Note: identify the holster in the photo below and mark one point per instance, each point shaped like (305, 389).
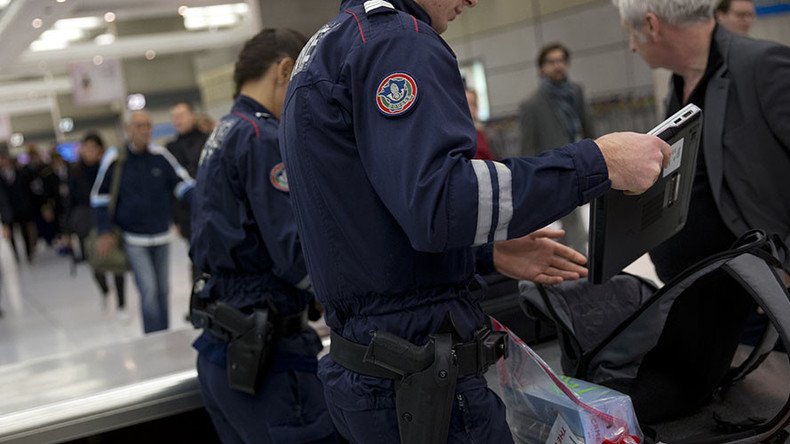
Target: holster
(425, 376)
(250, 336)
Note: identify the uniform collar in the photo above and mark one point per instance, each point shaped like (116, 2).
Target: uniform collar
(407, 6)
(248, 105)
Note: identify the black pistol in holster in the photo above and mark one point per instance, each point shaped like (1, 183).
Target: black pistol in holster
(249, 336)
(425, 376)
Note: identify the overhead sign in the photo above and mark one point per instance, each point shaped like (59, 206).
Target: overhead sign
(94, 84)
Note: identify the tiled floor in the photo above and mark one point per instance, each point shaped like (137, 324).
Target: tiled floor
(48, 311)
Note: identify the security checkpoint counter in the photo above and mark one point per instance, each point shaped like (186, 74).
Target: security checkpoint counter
(56, 399)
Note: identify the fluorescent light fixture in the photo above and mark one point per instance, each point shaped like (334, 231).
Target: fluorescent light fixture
(78, 23)
(104, 39)
(68, 35)
(47, 45)
(213, 16)
(135, 102)
(66, 124)
(17, 139)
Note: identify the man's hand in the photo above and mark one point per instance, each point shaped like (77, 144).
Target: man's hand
(786, 278)
(6, 232)
(104, 244)
(635, 161)
(539, 258)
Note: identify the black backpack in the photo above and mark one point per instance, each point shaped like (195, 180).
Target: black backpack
(672, 350)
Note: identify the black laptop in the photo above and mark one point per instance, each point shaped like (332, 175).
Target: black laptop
(622, 227)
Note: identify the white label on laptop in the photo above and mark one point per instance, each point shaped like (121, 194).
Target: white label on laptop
(561, 434)
(677, 156)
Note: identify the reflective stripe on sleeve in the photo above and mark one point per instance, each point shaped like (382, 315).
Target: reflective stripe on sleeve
(485, 202)
(505, 179)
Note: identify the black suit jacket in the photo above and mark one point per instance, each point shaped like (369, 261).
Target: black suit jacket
(747, 135)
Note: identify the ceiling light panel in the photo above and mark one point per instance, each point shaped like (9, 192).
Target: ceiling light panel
(217, 16)
(79, 23)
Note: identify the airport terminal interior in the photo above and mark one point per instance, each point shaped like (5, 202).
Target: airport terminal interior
(76, 363)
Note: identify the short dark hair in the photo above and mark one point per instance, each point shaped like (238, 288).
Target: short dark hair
(189, 105)
(93, 137)
(544, 52)
(262, 51)
(724, 6)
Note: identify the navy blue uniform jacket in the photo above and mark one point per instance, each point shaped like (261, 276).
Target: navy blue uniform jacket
(378, 141)
(243, 230)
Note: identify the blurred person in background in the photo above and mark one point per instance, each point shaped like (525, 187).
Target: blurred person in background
(143, 212)
(736, 15)
(59, 202)
(80, 218)
(556, 115)
(45, 187)
(16, 185)
(245, 236)
(483, 149)
(186, 150)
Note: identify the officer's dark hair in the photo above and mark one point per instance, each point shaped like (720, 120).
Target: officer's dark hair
(724, 6)
(262, 51)
(93, 137)
(544, 53)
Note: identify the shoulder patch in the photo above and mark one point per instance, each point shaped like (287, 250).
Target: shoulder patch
(279, 178)
(396, 94)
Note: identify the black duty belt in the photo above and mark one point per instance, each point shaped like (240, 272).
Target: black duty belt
(227, 322)
(425, 376)
(250, 336)
(472, 358)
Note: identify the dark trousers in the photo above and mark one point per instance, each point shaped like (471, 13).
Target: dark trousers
(288, 408)
(120, 286)
(29, 237)
(363, 409)
(101, 280)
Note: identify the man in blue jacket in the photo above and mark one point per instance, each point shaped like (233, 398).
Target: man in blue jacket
(149, 176)
(396, 218)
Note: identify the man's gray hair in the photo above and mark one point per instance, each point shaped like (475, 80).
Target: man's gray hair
(675, 12)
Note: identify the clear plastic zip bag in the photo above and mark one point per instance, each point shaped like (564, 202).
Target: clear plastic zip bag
(544, 407)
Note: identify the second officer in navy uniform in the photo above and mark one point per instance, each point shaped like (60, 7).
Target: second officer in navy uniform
(396, 218)
(257, 356)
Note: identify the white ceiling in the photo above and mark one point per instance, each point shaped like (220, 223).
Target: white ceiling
(28, 77)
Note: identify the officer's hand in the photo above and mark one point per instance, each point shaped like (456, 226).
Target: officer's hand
(635, 161)
(6, 232)
(104, 244)
(539, 258)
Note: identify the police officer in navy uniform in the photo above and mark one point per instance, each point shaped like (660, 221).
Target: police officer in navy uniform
(396, 218)
(257, 357)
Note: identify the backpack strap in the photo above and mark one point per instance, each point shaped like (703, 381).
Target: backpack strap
(759, 353)
(767, 289)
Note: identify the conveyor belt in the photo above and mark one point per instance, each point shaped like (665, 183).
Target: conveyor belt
(82, 394)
